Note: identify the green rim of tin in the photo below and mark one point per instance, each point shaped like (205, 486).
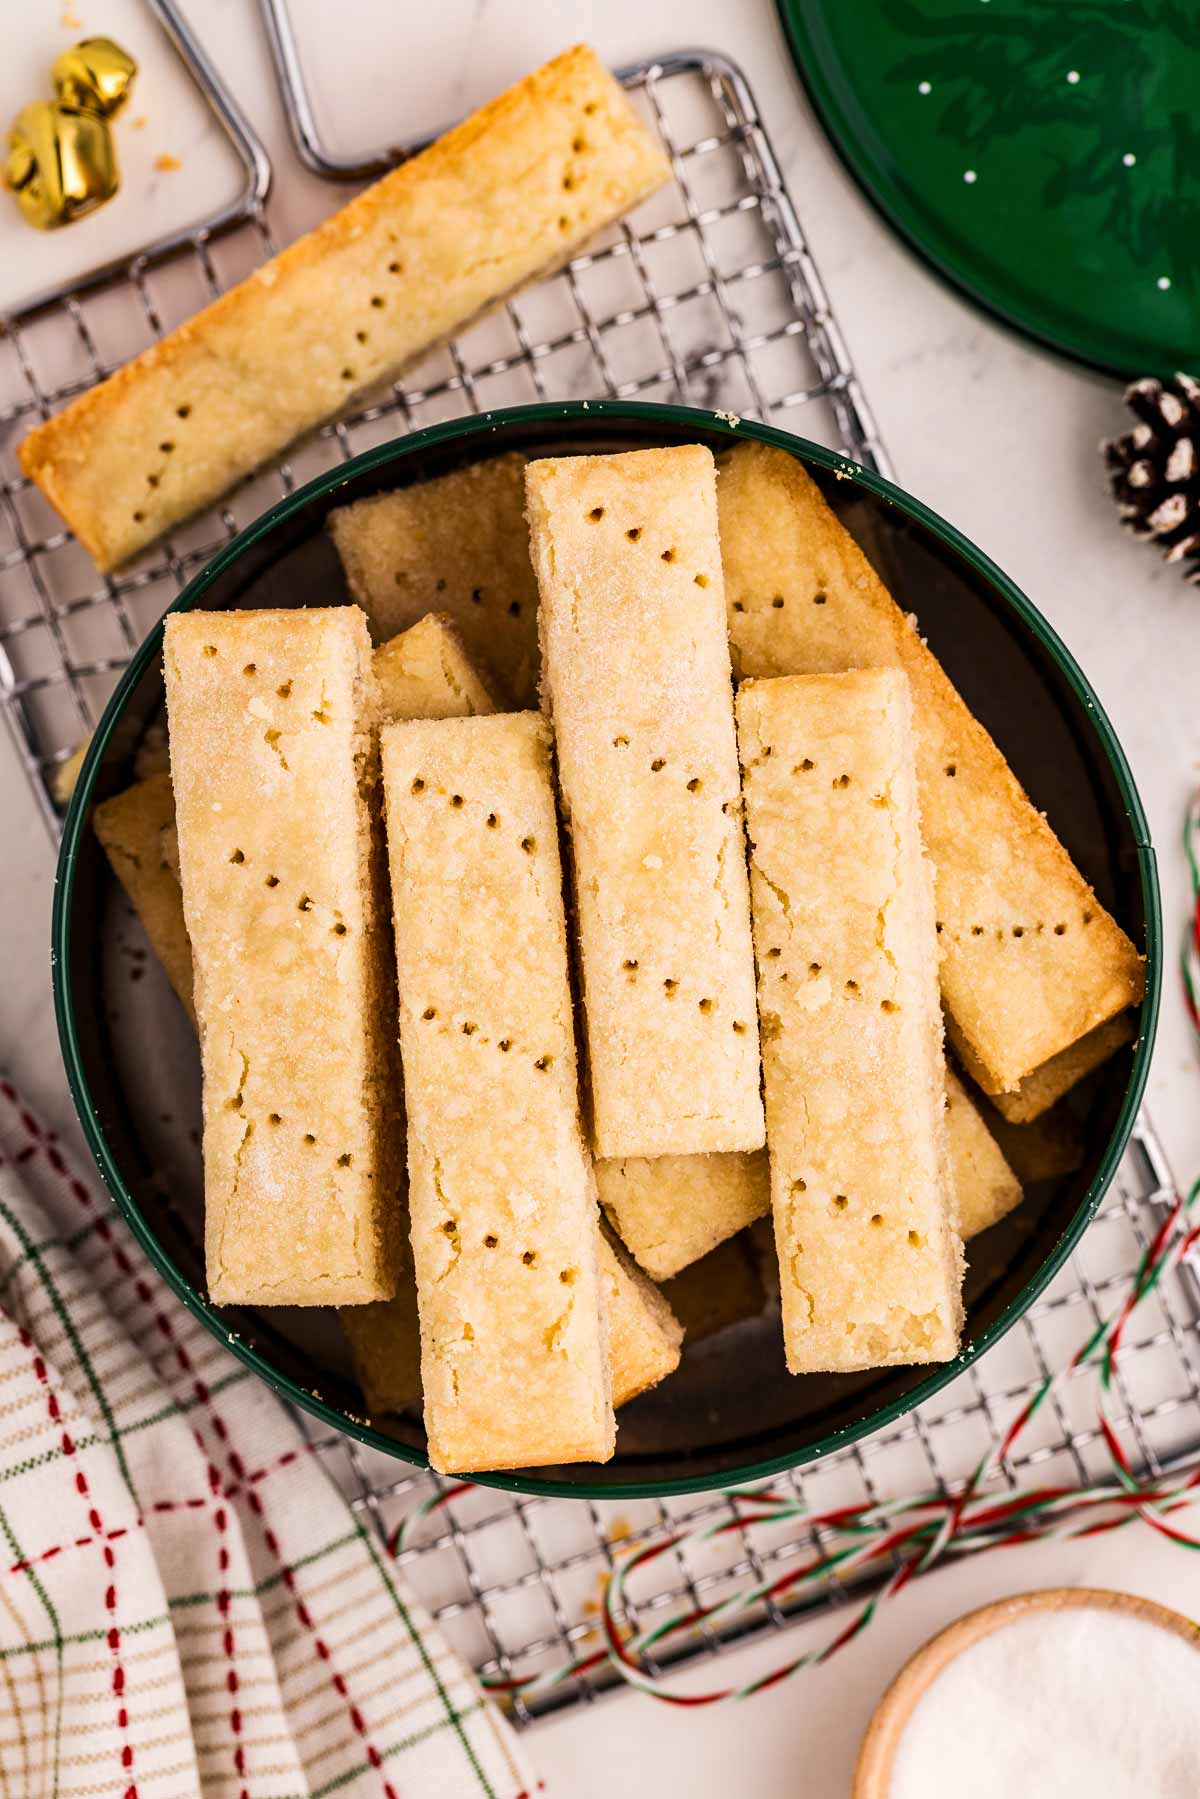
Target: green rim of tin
(481, 428)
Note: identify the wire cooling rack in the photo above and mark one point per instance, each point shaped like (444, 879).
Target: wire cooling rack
(707, 294)
(516, 1582)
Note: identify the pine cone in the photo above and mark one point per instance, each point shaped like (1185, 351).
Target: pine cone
(1155, 468)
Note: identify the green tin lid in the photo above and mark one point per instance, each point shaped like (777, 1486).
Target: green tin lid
(1042, 155)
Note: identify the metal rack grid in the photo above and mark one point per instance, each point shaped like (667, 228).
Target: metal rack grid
(708, 294)
(515, 1582)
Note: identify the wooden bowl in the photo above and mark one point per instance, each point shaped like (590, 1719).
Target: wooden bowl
(873, 1770)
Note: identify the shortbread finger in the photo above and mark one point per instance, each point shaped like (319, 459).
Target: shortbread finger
(63, 778)
(425, 672)
(137, 830)
(457, 545)
(271, 717)
(870, 1262)
(636, 679)
(513, 190)
(1031, 961)
(1045, 1085)
(644, 1335)
(168, 843)
(385, 1345)
(671, 1210)
(505, 1223)
(985, 1187)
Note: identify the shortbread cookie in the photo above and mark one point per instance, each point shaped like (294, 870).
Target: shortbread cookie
(272, 716)
(870, 1262)
(1045, 1085)
(137, 829)
(636, 679)
(505, 1223)
(644, 1335)
(425, 672)
(457, 545)
(985, 1187)
(63, 778)
(385, 1344)
(1031, 962)
(512, 191)
(671, 1210)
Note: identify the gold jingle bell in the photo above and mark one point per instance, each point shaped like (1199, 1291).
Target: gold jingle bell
(60, 162)
(95, 73)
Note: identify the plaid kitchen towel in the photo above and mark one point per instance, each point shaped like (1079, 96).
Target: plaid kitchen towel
(188, 1604)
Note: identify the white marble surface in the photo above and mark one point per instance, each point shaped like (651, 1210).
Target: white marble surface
(994, 434)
